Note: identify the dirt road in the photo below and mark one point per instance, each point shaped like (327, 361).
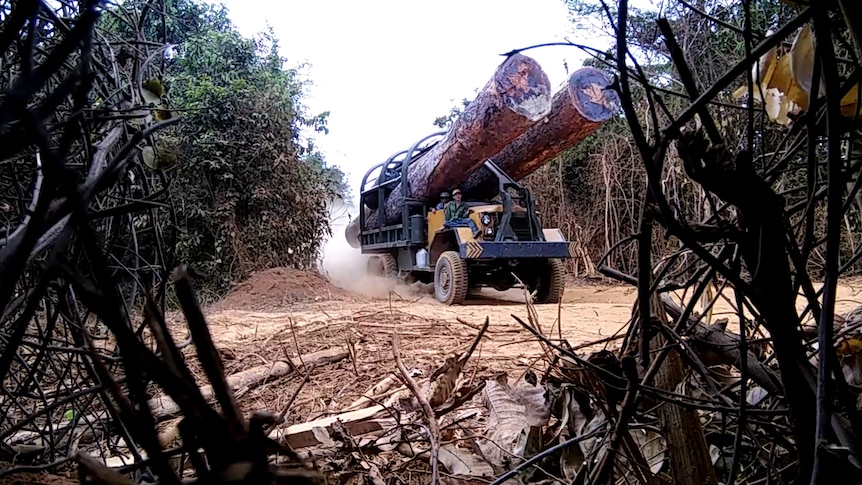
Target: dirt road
(284, 312)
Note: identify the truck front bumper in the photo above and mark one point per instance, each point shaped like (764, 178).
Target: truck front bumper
(517, 250)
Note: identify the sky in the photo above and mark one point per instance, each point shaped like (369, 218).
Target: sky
(385, 69)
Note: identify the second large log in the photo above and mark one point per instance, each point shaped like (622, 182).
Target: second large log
(584, 104)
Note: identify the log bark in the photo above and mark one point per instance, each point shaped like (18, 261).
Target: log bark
(690, 462)
(518, 95)
(583, 105)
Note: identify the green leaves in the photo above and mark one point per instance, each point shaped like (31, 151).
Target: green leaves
(248, 194)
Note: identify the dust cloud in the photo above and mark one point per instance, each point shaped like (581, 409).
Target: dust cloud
(344, 266)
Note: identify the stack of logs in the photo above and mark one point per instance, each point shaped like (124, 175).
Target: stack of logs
(516, 122)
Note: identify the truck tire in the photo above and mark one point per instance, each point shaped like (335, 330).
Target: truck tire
(450, 278)
(551, 282)
(382, 265)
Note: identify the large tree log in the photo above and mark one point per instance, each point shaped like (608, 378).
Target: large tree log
(518, 95)
(577, 110)
(583, 105)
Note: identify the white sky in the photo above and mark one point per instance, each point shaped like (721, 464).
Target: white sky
(386, 69)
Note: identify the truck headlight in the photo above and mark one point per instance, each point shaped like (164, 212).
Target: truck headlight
(486, 219)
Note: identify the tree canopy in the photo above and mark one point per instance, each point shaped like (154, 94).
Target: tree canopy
(250, 190)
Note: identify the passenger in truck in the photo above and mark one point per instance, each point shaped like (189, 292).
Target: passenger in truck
(444, 199)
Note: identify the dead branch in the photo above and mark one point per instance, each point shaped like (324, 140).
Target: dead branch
(433, 429)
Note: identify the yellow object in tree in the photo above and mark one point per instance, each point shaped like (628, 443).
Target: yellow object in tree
(784, 83)
(152, 93)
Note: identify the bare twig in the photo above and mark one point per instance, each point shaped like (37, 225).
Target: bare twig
(433, 427)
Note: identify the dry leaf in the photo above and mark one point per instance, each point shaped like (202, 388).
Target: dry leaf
(850, 354)
(151, 99)
(653, 447)
(571, 459)
(802, 59)
(463, 462)
(148, 155)
(849, 346)
(533, 399)
(508, 426)
(850, 102)
(588, 445)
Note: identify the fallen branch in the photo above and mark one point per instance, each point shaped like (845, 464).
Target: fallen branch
(164, 406)
(433, 429)
(317, 432)
(375, 393)
(723, 347)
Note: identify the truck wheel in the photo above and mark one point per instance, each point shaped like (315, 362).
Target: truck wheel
(551, 282)
(450, 278)
(382, 265)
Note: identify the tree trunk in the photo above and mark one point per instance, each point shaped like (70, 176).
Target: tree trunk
(687, 450)
(577, 110)
(518, 95)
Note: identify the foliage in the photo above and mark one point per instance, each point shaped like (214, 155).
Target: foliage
(445, 122)
(250, 193)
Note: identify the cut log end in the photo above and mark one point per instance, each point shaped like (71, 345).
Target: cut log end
(591, 94)
(351, 233)
(524, 87)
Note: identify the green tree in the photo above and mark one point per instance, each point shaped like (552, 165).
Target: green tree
(249, 190)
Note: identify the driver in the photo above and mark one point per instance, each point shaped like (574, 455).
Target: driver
(457, 214)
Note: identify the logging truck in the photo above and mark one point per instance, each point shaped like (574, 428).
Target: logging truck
(513, 249)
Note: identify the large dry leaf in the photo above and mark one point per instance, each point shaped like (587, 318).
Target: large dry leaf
(151, 99)
(508, 426)
(588, 445)
(148, 155)
(802, 59)
(533, 399)
(755, 395)
(653, 447)
(463, 462)
(571, 460)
